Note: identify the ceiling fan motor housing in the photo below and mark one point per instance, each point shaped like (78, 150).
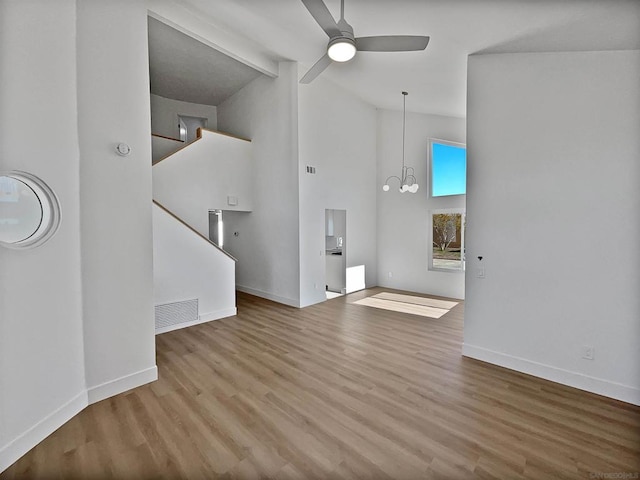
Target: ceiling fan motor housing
(342, 48)
(346, 29)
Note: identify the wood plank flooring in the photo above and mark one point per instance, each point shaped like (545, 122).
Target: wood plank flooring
(337, 391)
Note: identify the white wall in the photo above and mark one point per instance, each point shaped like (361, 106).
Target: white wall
(42, 380)
(77, 312)
(403, 233)
(553, 204)
(162, 147)
(186, 266)
(266, 111)
(202, 175)
(337, 136)
(115, 194)
(165, 111)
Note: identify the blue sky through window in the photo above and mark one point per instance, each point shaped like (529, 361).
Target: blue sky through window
(448, 170)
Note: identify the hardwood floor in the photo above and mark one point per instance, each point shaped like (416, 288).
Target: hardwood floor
(337, 391)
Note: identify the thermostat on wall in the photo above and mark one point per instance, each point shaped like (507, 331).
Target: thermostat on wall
(123, 149)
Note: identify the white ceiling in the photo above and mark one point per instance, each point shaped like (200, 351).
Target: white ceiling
(436, 77)
(183, 68)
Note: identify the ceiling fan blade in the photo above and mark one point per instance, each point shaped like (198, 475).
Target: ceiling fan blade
(320, 12)
(317, 69)
(391, 43)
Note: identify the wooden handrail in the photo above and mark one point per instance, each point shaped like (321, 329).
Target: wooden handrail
(198, 137)
(224, 133)
(167, 138)
(165, 209)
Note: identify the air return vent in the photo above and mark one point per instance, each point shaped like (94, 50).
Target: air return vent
(171, 316)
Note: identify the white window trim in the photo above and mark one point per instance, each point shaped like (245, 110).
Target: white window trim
(430, 169)
(50, 211)
(430, 266)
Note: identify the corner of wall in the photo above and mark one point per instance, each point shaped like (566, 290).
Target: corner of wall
(624, 393)
(19, 446)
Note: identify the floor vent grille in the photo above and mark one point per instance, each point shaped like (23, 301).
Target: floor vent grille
(175, 313)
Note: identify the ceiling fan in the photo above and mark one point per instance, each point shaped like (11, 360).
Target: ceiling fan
(343, 45)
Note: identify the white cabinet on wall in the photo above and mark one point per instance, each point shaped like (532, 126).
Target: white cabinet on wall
(336, 273)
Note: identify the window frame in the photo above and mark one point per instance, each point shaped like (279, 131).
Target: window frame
(430, 169)
(49, 206)
(455, 211)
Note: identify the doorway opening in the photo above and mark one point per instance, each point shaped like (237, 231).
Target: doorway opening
(335, 252)
(188, 127)
(216, 227)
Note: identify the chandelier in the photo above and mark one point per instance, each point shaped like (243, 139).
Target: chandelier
(407, 178)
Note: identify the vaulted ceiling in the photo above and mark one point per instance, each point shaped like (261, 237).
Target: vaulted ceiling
(182, 68)
(436, 77)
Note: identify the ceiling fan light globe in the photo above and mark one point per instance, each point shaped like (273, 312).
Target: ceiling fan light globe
(341, 49)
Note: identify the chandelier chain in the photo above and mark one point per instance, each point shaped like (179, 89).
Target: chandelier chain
(407, 177)
(404, 122)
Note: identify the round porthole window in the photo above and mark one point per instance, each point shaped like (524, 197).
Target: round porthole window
(29, 210)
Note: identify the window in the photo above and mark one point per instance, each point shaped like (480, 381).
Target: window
(448, 168)
(447, 234)
(29, 210)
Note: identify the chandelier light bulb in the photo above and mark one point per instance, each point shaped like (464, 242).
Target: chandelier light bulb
(385, 187)
(342, 50)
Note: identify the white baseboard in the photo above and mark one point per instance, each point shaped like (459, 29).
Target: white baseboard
(122, 384)
(17, 447)
(269, 296)
(205, 317)
(599, 386)
(320, 297)
(218, 314)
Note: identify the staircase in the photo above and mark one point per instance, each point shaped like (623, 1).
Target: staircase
(194, 279)
(162, 147)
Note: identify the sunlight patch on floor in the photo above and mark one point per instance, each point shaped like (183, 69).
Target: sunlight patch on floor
(426, 307)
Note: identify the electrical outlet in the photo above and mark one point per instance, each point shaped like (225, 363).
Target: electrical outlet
(588, 352)
(315, 286)
(390, 274)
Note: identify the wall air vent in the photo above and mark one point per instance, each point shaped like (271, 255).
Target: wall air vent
(172, 316)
